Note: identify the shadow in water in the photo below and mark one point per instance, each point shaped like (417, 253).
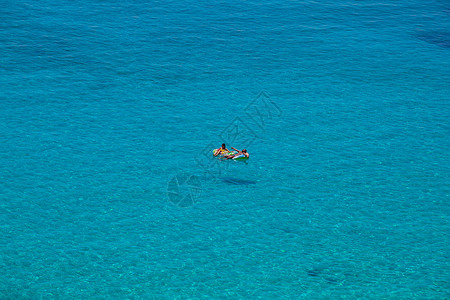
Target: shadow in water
(237, 181)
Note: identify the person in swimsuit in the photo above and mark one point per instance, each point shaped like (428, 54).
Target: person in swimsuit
(239, 153)
(221, 150)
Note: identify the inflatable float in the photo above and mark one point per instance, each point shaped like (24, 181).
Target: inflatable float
(224, 153)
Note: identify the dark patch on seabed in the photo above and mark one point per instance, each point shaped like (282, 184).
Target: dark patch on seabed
(323, 273)
(439, 38)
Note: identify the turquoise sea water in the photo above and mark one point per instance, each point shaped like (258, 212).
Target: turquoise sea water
(109, 112)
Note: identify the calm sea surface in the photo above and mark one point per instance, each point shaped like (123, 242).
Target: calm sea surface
(109, 111)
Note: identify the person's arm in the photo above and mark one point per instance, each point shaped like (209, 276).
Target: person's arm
(217, 152)
(235, 149)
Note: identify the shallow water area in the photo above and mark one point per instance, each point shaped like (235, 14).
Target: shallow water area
(109, 113)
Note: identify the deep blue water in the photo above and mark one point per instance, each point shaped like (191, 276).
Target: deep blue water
(109, 112)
